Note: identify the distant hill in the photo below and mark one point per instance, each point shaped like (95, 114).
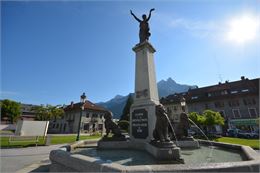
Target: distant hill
(165, 88)
(116, 105)
(169, 86)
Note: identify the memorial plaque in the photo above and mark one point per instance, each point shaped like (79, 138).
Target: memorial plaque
(140, 123)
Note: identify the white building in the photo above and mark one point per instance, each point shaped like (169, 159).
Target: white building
(92, 119)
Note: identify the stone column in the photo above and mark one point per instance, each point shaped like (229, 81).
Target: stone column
(142, 118)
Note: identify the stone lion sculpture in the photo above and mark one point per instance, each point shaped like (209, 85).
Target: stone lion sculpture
(184, 125)
(111, 126)
(160, 132)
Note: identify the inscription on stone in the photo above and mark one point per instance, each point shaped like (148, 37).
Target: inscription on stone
(143, 93)
(140, 123)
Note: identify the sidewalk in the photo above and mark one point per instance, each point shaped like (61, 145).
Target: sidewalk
(67, 134)
(15, 159)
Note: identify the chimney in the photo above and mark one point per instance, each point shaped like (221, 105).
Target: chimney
(242, 77)
(71, 104)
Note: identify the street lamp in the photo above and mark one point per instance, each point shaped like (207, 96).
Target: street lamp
(183, 103)
(82, 101)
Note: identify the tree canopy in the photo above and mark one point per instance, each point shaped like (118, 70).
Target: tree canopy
(126, 110)
(213, 118)
(10, 109)
(197, 118)
(208, 118)
(48, 112)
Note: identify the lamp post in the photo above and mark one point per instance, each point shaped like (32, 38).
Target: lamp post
(82, 101)
(183, 103)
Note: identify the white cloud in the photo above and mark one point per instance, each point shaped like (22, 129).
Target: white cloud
(198, 28)
(209, 29)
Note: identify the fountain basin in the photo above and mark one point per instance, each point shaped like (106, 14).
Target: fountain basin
(76, 159)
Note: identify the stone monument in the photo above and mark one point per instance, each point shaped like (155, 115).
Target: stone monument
(149, 121)
(147, 116)
(142, 118)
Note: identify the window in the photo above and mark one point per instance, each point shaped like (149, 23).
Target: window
(169, 110)
(194, 97)
(252, 112)
(64, 127)
(224, 92)
(236, 113)
(245, 90)
(249, 101)
(175, 108)
(94, 115)
(245, 102)
(176, 118)
(234, 92)
(233, 103)
(86, 126)
(219, 104)
(100, 126)
(71, 116)
(206, 106)
(87, 115)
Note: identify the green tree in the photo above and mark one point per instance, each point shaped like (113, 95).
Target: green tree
(124, 125)
(48, 112)
(197, 118)
(10, 109)
(213, 118)
(126, 111)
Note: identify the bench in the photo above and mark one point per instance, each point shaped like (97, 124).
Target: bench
(14, 139)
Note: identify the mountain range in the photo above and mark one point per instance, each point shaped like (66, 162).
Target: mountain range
(165, 88)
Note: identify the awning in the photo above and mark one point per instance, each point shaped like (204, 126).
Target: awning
(248, 122)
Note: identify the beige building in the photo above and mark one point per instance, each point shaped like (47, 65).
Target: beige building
(237, 102)
(92, 119)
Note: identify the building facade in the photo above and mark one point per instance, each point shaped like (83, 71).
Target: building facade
(237, 102)
(92, 119)
(27, 112)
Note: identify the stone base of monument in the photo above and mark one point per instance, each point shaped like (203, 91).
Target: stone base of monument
(188, 142)
(165, 151)
(113, 144)
(115, 138)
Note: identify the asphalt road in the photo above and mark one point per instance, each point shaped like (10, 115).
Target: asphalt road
(13, 160)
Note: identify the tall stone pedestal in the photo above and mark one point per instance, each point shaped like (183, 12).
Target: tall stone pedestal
(142, 118)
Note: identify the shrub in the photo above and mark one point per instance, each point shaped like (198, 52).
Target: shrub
(124, 125)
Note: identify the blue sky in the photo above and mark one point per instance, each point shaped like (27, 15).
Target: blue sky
(51, 52)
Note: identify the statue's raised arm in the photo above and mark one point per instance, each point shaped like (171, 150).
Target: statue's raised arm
(144, 33)
(150, 14)
(135, 16)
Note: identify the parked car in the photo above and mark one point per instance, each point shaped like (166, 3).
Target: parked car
(232, 132)
(248, 135)
(191, 132)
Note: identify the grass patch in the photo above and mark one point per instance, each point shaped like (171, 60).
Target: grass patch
(6, 132)
(54, 140)
(254, 143)
(4, 143)
(70, 139)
